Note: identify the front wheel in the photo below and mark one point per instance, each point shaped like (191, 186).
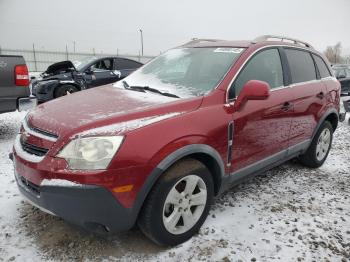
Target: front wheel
(65, 90)
(178, 204)
(320, 147)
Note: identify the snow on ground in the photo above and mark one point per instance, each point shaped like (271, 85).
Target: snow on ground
(290, 213)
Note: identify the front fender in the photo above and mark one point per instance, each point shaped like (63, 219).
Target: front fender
(169, 160)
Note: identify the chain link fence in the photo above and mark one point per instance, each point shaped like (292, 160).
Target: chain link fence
(39, 60)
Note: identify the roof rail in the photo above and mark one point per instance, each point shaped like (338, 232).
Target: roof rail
(200, 40)
(282, 39)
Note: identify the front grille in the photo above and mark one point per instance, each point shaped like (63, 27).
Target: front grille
(33, 150)
(29, 185)
(40, 131)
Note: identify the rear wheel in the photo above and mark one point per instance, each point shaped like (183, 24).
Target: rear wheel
(65, 90)
(178, 204)
(319, 148)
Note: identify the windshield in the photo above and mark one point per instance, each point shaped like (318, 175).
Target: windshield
(80, 64)
(185, 72)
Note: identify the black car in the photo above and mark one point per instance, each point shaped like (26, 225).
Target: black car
(342, 73)
(68, 77)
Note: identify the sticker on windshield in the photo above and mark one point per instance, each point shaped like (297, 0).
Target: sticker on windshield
(228, 50)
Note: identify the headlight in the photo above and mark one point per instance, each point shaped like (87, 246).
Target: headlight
(91, 152)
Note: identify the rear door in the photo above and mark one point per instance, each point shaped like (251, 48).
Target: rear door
(332, 84)
(102, 73)
(261, 128)
(309, 94)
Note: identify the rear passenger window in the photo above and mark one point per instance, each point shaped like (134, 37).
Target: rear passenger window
(102, 65)
(265, 66)
(322, 67)
(301, 65)
(127, 64)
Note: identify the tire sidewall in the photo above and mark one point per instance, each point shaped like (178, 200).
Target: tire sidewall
(162, 234)
(59, 90)
(325, 125)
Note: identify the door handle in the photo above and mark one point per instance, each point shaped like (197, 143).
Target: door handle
(320, 95)
(286, 106)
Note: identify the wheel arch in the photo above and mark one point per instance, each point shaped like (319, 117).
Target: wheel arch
(332, 116)
(64, 84)
(207, 155)
(333, 119)
(201, 152)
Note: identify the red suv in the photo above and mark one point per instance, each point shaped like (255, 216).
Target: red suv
(156, 148)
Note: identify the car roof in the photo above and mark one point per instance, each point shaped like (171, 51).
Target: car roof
(217, 43)
(340, 66)
(265, 40)
(114, 57)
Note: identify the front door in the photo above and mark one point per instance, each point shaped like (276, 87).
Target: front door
(261, 128)
(101, 73)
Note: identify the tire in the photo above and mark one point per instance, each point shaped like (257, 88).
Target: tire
(317, 152)
(64, 89)
(157, 210)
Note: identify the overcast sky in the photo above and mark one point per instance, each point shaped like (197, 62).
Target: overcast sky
(109, 25)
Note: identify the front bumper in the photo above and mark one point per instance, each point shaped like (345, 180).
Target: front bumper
(91, 207)
(44, 91)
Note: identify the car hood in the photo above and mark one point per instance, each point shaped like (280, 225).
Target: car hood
(106, 109)
(59, 67)
(45, 78)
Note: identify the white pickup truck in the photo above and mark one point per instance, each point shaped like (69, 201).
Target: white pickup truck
(14, 84)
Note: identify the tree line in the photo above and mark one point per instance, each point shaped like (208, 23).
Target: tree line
(334, 54)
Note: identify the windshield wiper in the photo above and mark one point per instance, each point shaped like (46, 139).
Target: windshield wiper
(147, 88)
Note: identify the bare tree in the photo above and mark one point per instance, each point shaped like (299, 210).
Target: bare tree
(333, 53)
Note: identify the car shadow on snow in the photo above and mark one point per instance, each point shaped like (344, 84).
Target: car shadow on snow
(57, 239)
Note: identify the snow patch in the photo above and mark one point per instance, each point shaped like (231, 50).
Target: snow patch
(127, 126)
(23, 154)
(60, 182)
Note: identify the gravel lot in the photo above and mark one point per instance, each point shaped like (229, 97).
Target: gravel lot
(290, 213)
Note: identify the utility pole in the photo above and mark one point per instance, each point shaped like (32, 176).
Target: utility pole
(34, 56)
(141, 41)
(67, 51)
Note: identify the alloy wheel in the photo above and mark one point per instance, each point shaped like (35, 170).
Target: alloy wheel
(323, 144)
(184, 204)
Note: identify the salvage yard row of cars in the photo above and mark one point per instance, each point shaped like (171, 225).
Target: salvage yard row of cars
(156, 147)
(68, 77)
(18, 91)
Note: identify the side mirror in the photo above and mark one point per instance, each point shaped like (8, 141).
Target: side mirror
(252, 90)
(117, 73)
(340, 76)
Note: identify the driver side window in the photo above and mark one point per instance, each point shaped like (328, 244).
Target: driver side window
(102, 65)
(264, 66)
